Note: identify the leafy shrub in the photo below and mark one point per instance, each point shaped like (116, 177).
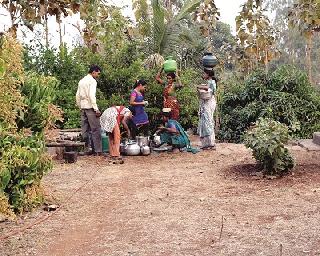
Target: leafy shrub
(11, 101)
(284, 95)
(67, 69)
(39, 94)
(188, 99)
(6, 211)
(267, 140)
(23, 160)
(66, 101)
(23, 164)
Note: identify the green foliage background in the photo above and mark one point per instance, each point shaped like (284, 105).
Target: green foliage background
(119, 73)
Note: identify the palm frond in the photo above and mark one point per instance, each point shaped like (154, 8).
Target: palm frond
(166, 34)
(159, 26)
(188, 7)
(183, 37)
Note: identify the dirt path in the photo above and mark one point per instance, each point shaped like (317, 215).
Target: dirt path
(210, 203)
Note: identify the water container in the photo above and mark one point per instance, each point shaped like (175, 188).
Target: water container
(209, 60)
(170, 65)
(105, 142)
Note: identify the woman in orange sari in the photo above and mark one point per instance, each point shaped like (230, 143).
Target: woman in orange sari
(169, 94)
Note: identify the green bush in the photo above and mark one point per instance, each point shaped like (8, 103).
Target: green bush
(22, 166)
(39, 93)
(188, 99)
(66, 67)
(26, 102)
(284, 95)
(267, 140)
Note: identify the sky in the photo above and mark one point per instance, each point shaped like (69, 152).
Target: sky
(229, 9)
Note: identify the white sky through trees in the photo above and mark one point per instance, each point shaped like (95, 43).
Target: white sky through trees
(229, 9)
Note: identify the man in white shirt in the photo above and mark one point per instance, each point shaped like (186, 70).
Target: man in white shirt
(86, 101)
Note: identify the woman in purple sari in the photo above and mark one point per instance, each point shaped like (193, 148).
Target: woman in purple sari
(140, 121)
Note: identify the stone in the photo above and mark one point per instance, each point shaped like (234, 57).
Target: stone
(316, 138)
(309, 145)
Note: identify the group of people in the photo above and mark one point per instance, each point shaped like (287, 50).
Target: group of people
(134, 118)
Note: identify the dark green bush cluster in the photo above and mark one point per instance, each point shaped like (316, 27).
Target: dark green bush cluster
(285, 95)
(267, 139)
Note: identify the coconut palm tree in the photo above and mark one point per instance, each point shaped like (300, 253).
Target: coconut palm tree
(168, 30)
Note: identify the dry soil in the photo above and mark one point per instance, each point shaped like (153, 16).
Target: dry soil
(210, 203)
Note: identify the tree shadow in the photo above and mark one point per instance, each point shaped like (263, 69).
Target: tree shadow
(246, 170)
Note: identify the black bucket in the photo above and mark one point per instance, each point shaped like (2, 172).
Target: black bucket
(70, 157)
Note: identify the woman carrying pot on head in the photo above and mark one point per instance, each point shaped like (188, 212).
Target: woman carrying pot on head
(140, 121)
(169, 93)
(206, 111)
(110, 121)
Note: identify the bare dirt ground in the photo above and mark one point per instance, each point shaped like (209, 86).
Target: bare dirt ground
(210, 203)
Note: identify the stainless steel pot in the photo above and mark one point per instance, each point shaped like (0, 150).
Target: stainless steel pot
(132, 149)
(142, 140)
(145, 150)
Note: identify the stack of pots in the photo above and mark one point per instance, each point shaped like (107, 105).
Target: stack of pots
(143, 142)
(209, 61)
(135, 148)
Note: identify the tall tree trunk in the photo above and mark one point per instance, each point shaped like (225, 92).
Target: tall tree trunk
(14, 26)
(46, 25)
(60, 35)
(61, 44)
(308, 55)
(46, 32)
(266, 62)
(257, 60)
(209, 46)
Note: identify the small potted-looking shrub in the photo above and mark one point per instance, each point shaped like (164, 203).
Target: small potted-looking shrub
(267, 140)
